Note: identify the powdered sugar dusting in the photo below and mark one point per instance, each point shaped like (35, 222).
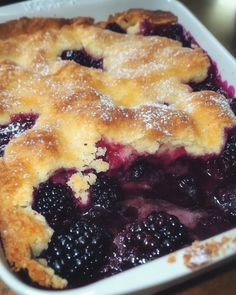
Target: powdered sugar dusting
(159, 118)
(127, 60)
(223, 105)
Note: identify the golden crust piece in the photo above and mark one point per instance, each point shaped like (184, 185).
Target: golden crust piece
(132, 18)
(29, 26)
(141, 91)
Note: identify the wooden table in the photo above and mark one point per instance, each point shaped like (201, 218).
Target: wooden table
(4, 290)
(220, 18)
(221, 281)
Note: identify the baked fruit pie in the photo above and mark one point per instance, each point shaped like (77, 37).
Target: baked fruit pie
(117, 145)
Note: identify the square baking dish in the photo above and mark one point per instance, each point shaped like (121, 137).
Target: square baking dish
(185, 263)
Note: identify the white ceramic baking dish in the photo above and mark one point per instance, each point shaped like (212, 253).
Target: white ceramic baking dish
(168, 270)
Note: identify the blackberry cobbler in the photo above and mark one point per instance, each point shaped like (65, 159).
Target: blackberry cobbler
(117, 145)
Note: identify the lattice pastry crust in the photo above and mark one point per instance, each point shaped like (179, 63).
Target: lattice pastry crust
(140, 98)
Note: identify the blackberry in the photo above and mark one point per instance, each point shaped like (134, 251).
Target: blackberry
(157, 235)
(18, 125)
(181, 190)
(78, 252)
(228, 157)
(105, 192)
(138, 170)
(112, 220)
(115, 28)
(214, 224)
(172, 31)
(188, 188)
(55, 202)
(83, 58)
(225, 200)
(213, 169)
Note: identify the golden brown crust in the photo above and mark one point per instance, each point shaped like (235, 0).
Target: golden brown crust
(29, 26)
(132, 17)
(141, 92)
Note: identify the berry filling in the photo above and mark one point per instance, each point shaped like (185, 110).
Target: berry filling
(18, 124)
(115, 28)
(212, 82)
(158, 234)
(83, 58)
(214, 223)
(105, 193)
(172, 31)
(143, 207)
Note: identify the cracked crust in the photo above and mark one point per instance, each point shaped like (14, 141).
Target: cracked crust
(142, 92)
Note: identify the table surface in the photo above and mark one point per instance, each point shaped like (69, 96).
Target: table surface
(219, 16)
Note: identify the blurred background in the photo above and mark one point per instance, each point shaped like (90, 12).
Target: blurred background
(219, 16)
